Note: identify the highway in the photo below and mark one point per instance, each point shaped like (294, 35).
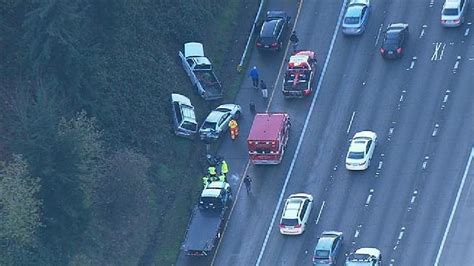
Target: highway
(421, 107)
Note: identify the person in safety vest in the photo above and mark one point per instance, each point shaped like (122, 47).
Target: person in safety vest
(205, 181)
(212, 171)
(234, 129)
(224, 168)
(222, 178)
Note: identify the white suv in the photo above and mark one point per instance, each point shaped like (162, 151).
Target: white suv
(296, 214)
(453, 12)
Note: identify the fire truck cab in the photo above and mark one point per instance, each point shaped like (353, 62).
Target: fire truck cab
(299, 74)
(268, 138)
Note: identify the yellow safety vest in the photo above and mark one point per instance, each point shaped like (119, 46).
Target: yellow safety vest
(222, 178)
(212, 170)
(224, 168)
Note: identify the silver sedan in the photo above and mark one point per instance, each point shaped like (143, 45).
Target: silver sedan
(218, 120)
(356, 17)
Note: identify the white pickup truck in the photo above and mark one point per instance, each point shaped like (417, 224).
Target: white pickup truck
(199, 70)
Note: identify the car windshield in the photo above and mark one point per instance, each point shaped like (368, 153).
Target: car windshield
(289, 222)
(351, 20)
(450, 11)
(321, 254)
(209, 125)
(356, 155)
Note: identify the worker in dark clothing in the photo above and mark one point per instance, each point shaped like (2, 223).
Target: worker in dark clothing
(263, 88)
(248, 183)
(294, 40)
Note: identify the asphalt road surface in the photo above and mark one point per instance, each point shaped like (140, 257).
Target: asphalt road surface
(421, 107)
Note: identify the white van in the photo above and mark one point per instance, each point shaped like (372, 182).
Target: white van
(453, 12)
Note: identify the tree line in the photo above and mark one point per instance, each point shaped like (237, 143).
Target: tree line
(84, 125)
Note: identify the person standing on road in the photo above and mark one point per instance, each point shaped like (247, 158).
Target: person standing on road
(264, 89)
(205, 181)
(294, 40)
(234, 129)
(255, 77)
(224, 168)
(248, 183)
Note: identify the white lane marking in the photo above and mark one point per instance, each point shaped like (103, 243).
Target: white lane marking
(439, 47)
(422, 33)
(466, 32)
(431, 3)
(445, 98)
(400, 235)
(378, 35)
(401, 98)
(380, 165)
(357, 232)
(435, 130)
(453, 211)
(369, 198)
(456, 65)
(350, 122)
(305, 126)
(320, 212)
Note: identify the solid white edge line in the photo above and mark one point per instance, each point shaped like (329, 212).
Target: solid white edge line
(320, 211)
(300, 141)
(350, 122)
(453, 211)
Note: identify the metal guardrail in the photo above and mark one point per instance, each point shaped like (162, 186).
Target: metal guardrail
(241, 63)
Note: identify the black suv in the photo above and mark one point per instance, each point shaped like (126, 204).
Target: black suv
(273, 31)
(394, 40)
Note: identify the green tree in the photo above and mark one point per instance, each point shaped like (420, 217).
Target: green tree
(20, 212)
(122, 208)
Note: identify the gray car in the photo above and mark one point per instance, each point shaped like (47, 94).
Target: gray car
(356, 17)
(327, 248)
(218, 120)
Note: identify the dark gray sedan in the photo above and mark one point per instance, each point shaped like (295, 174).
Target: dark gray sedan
(356, 17)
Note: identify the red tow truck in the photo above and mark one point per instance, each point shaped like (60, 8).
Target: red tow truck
(268, 137)
(299, 74)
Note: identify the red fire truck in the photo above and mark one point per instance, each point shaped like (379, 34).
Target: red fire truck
(299, 74)
(268, 137)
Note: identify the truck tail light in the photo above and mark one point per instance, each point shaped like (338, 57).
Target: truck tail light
(259, 44)
(275, 44)
(307, 91)
(382, 50)
(399, 50)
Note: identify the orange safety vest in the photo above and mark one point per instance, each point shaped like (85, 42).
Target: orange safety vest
(233, 124)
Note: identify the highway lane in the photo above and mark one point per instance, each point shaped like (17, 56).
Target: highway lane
(458, 248)
(400, 103)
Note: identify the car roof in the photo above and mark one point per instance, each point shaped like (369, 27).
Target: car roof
(358, 147)
(354, 10)
(266, 126)
(292, 207)
(214, 116)
(268, 28)
(325, 242)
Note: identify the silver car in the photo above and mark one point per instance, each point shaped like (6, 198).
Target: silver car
(356, 17)
(218, 120)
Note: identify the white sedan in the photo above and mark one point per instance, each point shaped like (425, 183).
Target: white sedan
(361, 150)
